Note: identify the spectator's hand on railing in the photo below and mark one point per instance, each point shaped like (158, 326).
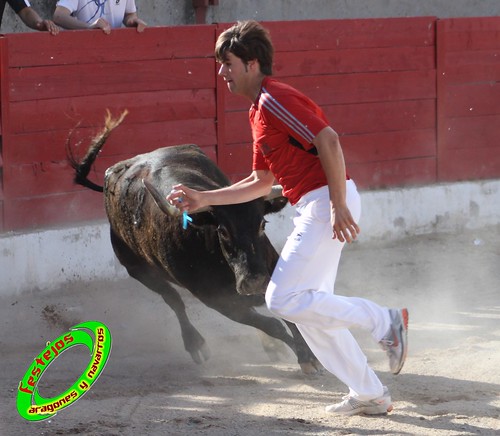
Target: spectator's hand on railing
(48, 26)
(136, 22)
(101, 23)
(141, 25)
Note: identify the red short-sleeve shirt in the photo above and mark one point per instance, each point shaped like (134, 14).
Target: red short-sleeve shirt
(284, 123)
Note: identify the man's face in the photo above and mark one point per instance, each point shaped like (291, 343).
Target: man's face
(236, 74)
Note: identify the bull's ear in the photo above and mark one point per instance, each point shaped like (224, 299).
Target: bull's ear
(275, 205)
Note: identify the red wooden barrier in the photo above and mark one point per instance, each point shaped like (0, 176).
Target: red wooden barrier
(375, 79)
(469, 98)
(164, 77)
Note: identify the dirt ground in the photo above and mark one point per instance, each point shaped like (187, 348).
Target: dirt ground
(450, 384)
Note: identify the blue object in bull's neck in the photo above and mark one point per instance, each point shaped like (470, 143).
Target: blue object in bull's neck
(185, 220)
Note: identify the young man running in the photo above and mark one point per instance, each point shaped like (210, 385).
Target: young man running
(294, 143)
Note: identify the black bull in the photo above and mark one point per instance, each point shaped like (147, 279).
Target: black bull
(223, 257)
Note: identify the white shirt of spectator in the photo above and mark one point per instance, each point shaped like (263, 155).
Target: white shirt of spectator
(89, 11)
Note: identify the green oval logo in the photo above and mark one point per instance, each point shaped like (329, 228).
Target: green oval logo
(92, 334)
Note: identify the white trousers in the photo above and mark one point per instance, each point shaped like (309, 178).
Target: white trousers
(301, 290)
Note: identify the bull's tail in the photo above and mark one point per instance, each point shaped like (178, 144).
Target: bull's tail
(83, 167)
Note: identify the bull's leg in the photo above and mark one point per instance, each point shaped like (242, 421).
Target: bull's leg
(237, 308)
(306, 358)
(194, 343)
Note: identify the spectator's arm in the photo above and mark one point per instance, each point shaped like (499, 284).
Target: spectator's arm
(63, 17)
(31, 18)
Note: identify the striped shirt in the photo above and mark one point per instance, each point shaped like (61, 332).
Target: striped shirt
(284, 123)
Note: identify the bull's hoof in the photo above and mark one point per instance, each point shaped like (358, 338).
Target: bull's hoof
(201, 355)
(312, 368)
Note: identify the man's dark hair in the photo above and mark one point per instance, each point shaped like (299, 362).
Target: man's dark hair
(247, 40)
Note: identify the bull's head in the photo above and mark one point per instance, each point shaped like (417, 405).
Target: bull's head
(239, 231)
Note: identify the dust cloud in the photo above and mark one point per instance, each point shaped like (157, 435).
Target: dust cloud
(151, 386)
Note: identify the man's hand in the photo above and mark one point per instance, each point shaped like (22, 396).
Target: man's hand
(48, 26)
(132, 20)
(185, 199)
(345, 228)
(101, 23)
(141, 25)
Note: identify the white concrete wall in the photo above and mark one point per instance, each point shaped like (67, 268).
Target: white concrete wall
(277, 10)
(47, 260)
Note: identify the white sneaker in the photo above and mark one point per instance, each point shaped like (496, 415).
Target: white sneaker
(395, 341)
(352, 406)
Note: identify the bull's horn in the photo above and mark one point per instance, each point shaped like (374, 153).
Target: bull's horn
(161, 201)
(276, 191)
